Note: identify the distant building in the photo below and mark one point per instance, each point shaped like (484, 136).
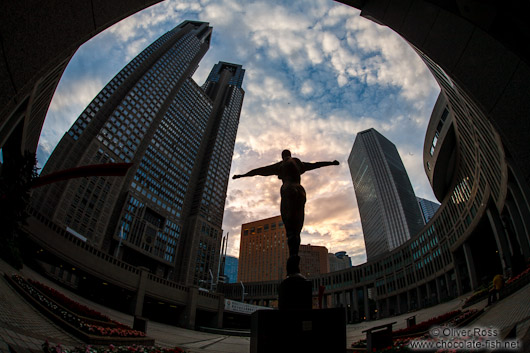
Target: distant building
(313, 260)
(387, 204)
(263, 251)
(427, 208)
(230, 270)
(339, 261)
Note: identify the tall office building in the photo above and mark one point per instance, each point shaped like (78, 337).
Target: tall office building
(427, 208)
(263, 253)
(314, 260)
(166, 212)
(390, 214)
(230, 269)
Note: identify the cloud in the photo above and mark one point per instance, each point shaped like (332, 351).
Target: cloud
(316, 74)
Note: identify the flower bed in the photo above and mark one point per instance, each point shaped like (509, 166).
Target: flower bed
(400, 343)
(73, 306)
(47, 348)
(521, 277)
(476, 297)
(426, 325)
(103, 333)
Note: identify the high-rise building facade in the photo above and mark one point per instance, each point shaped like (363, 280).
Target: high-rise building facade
(427, 208)
(263, 251)
(389, 212)
(313, 260)
(230, 269)
(166, 212)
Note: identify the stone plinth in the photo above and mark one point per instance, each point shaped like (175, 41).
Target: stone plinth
(318, 330)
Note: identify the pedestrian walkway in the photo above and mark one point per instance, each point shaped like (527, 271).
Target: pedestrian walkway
(25, 329)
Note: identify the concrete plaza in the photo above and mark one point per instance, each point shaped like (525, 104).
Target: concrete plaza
(24, 329)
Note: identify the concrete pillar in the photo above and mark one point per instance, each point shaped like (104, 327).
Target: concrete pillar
(518, 228)
(220, 312)
(140, 292)
(418, 298)
(366, 304)
(355, 300)
(408, 301)
(500, 238)
(447, 284)
(378, 308)
(398, 298)
(458, 276)
(429, 293)
(187, 319)
(438, 294)
(470, 266)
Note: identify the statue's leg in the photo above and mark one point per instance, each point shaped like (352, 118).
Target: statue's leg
(292, 211)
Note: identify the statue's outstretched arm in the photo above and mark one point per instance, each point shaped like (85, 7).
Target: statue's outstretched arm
(311, 166)
(273, 169)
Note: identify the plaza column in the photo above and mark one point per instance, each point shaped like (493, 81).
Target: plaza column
(187, 319)
(458, 275)
(140, 291)
(366, 304)
(418, 297)
(429, 293)
(408, 300)
(500, 238)
(218, 319)
(518, 228)
(470, 266)
(355, 304)
(398, 303)
(447, 281)
(438, 294)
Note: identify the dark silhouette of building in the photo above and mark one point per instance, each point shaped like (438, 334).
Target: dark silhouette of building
(166, 213)
(387, 204)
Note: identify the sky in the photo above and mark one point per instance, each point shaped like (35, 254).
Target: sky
(317, 73)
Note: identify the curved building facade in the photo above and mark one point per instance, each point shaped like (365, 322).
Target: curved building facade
(479, 166)
(474, 157)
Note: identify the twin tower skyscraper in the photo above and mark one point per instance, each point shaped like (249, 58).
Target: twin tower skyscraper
(166, 212)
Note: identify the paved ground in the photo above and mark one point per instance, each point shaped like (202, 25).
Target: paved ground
(25, 329)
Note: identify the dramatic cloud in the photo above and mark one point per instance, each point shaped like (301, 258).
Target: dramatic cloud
(316, 74)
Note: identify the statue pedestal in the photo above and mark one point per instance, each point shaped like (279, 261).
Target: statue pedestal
(295, 294)
(308, 331)
(296, 327)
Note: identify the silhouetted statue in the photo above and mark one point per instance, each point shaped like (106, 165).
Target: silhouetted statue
(293, 199)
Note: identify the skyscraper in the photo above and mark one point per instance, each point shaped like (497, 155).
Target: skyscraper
(428, 209)
(166, 213)
(390, 214)
(230, 269)
(263, 251)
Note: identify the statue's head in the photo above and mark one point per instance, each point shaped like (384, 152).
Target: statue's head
(286, 154)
